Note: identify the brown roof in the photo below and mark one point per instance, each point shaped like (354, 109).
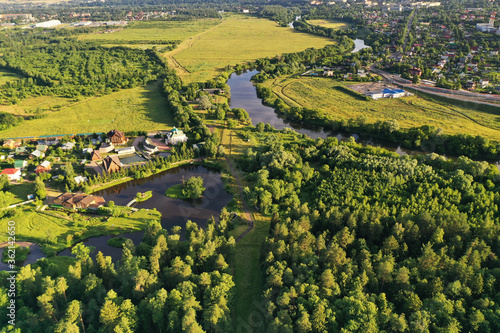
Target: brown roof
(95, 155)
(116, 133)
(80, 200)
(109, 161)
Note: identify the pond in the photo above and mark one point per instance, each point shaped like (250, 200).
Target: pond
(175, 212)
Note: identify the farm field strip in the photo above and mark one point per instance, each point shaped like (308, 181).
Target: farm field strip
(237, 39)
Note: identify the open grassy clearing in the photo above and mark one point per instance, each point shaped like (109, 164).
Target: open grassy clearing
(7, 76)
(51, 229)
(412, 111)
(239, 38)
(21, 191)
(329, 23)
(41, 103)
(156, 30)
(140, 108)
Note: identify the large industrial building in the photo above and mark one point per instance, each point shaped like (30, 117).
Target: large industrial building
(47, 24)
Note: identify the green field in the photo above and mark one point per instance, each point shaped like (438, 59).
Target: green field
(329, 23)
(6, 76)
(141, 108)
(238, 39)
(51, 229)
(411, 111)
(156, 30)
(30, 105)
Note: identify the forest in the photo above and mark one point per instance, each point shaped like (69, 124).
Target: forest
(71, 69)
(161, 285)
(363, 240)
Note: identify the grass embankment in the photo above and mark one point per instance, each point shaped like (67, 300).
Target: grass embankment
(333, 24)
(19, 253)
(239, 38)
(414, 111)
(55, 231)
(136, 109)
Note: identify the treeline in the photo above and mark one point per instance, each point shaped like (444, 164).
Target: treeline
(70, 68)
(292, 63)
(364, 240)
(161, 285)
(280, 14)
(137, 41)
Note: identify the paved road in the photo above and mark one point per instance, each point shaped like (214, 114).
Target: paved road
(484, 99)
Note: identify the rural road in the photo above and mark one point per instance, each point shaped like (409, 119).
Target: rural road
(247, 213)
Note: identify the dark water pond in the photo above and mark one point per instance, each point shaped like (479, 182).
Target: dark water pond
(175, 212)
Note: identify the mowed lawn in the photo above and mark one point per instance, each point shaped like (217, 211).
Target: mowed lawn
(411, 111)
(238, 39)
(51, 229)
(329, 23)
(156, 30)
(137, 109)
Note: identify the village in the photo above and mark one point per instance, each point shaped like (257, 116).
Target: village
(70, 164)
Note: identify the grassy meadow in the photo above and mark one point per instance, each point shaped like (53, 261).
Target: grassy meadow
(155, 30)
(329, 23)
(321, 93)
(140, 108)
(237, 39)
(7, 76)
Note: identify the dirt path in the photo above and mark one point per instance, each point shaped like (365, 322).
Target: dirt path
(246, 213)
(186, 44)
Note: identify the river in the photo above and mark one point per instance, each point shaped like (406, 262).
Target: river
(244, 95)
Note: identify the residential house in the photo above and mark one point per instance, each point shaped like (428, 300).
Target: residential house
(37, 154)
(176, 136)
(106, 147)
(80, 179)
(95, 156)
(42, 148)
(125, 151)
(116, 137)
(20, 164)
(87, 150)
(21, 151)
(149, 146)
(43, 167)
(415, 71)
(48, 142)
(11, 144)
(68, 146)
(12, 173)
(79, 201)
(484, 83)
(111, 164)
(470, 85)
